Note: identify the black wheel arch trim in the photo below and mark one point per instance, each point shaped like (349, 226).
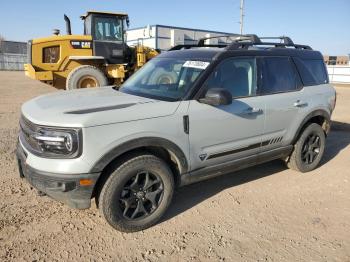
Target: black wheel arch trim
(141, 143)
(319, 112)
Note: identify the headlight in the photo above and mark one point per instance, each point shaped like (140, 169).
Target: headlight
(51, 142)
(57, 142)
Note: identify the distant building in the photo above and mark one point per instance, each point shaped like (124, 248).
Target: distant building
(12, 55)
(164, 37)
(337, 60)
(12, 47)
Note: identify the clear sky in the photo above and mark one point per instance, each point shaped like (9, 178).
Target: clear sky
(323, 24)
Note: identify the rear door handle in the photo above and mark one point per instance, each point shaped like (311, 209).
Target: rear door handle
(252, 111)
(299, 103)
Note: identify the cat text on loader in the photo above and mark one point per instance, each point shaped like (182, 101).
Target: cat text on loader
(97, 58)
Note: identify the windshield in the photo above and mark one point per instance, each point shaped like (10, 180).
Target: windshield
(108, 28)
(164, 78)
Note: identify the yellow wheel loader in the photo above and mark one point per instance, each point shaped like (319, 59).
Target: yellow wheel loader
(97, 58)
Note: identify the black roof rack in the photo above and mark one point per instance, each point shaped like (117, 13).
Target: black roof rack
(179, 47)
(244, 41)
(286, 40)
(236, 38)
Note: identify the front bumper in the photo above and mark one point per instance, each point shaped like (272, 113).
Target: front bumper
(37, 75)
(67, 189)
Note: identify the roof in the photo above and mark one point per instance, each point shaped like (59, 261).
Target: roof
(102, 13)
(246, 45)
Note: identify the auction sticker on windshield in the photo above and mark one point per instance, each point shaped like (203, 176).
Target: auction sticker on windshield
(196, 64)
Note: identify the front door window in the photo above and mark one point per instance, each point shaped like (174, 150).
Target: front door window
(237, 75)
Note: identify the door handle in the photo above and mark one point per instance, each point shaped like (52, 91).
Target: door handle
(299, 103)
(252, 111)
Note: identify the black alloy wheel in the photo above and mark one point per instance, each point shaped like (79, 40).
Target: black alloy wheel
(311, 148)
(141, 195)
(308, 149)
(137, 192)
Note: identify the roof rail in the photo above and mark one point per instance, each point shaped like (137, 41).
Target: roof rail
(201, 42)
(179, 47)
(286, 40)
(244, 41)
(234, 37)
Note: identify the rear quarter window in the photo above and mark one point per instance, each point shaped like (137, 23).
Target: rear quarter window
(278, 76)
(312, 72)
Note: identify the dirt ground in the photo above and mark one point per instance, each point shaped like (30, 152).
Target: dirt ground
(265, 213)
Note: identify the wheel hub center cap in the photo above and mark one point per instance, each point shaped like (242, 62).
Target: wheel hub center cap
(140, 194)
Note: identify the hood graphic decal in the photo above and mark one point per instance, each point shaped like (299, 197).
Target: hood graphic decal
(99, 109)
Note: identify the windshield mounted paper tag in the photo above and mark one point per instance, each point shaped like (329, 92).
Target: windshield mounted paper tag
(196, 64)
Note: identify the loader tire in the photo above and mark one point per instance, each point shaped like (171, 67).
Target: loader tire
(86, 76)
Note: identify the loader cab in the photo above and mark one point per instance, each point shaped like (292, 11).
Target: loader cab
(108, 34)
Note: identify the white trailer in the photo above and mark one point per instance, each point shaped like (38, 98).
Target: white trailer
(164, 37)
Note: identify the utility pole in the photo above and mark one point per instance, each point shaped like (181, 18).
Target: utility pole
(242, 16)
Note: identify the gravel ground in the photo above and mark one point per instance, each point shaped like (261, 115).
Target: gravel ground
(265, 213)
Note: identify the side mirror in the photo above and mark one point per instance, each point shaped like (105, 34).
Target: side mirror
(217, 97)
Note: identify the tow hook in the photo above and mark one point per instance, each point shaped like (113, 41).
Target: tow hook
(40, 193)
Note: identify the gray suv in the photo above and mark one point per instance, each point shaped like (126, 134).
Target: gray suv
(192, 113)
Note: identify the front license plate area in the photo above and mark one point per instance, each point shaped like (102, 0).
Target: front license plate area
(21, 161)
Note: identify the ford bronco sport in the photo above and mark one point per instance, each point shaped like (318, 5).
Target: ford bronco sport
(192, 113)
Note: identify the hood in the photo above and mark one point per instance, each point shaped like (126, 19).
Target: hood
(55, 38)
(92, 107)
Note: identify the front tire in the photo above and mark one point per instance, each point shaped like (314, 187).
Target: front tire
(137, 193)
(308, 150)
(86, 76)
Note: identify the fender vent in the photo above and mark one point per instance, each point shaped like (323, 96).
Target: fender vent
(276, 140)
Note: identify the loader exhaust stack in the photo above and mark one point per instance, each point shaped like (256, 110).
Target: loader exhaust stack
(68, 26)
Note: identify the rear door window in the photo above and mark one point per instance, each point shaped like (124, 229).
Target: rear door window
(312, 72)
(278, 75)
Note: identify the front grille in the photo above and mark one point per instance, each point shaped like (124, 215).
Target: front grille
(27, 132)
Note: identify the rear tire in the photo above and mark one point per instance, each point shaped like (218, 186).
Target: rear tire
(85, 76)
(308, 150)
(137, 193)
